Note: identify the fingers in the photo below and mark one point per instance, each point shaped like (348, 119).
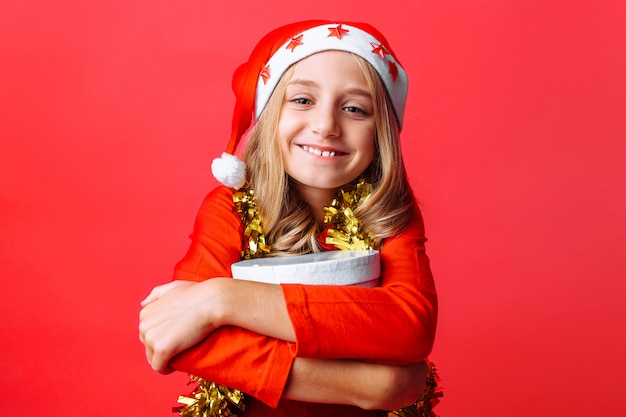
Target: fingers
(155, 294)
(159, 363)
(158, 351)
(158, 292)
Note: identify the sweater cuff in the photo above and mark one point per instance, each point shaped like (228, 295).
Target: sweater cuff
(256, 365)
(307, 345)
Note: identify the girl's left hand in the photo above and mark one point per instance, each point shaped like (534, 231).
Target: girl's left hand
(175, 317)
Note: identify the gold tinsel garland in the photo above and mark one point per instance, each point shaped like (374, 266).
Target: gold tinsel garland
(253, 239)
(209, 399)
(346, 233)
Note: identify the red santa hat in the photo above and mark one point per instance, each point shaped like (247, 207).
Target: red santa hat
(255, 80)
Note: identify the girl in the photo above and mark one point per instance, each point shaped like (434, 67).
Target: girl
(328, 100)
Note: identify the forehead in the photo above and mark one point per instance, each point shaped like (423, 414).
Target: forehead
(331, 67)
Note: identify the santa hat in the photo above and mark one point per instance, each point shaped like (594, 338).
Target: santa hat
(255, 80)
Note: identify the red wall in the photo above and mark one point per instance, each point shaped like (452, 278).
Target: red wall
(110, 113)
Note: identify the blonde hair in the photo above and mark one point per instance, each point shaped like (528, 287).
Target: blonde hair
(288, 224)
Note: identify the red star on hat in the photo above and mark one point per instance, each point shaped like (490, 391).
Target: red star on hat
(393, 70)
(337, 32)
(295, 42)
(379, 49)
(265, 74)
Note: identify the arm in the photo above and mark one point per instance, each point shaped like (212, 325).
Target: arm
(234, 356)
(244, 360)
(271, 373)
(365, 385)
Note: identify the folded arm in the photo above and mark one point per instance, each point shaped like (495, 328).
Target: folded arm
(255, 344)
(265, 369)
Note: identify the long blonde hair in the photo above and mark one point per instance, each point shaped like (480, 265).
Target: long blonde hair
(288, 224)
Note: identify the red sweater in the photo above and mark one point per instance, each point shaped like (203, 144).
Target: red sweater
(392, 324)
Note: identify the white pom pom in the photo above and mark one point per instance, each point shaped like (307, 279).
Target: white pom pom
(229, 170)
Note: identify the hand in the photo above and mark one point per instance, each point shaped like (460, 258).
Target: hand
(175, 317)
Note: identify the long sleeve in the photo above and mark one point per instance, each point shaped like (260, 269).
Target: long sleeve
(393, 324)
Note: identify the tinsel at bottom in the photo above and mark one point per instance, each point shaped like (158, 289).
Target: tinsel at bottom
(209, 399)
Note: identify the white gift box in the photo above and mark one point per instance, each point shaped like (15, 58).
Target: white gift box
(341, 267)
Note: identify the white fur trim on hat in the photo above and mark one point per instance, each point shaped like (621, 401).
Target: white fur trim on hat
(352, 39)
(229, 170)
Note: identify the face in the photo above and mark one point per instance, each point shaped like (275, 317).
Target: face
(326, 127)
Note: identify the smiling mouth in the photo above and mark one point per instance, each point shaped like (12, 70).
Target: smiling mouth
(319, 152)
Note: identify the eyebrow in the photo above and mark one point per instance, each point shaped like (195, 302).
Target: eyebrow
(310, 83)
(306, 83)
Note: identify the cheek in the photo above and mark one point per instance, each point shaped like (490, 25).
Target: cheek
(282, 134)
(369, 145)
(284, 145)
(285, 130)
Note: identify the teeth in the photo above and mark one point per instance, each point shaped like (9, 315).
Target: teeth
(318, 152)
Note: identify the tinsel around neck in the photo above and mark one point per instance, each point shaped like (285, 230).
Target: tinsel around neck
(345, 231)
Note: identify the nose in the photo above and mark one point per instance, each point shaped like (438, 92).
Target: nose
(325, 122)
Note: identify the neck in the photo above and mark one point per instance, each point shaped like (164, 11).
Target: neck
(317, 199)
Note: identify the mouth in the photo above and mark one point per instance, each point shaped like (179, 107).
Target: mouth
(319, 152)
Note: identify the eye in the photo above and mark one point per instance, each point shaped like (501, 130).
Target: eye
(356, 110)
(301, 100)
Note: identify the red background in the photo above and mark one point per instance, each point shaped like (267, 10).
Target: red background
(110, 113)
